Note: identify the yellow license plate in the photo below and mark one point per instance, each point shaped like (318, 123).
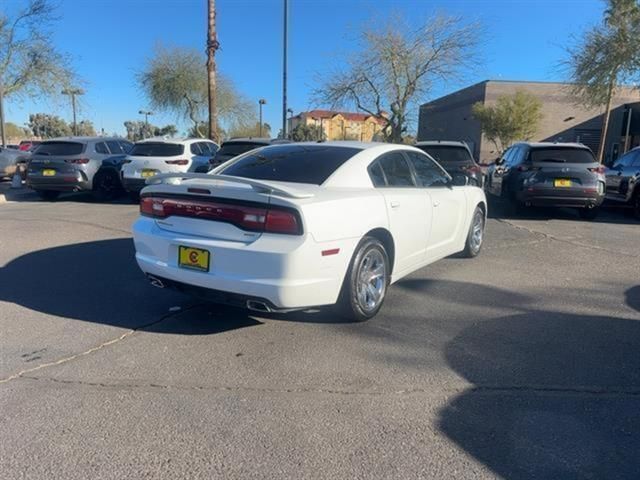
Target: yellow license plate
(48, 172)
(562, 182)
(147, 173)
(194, 258)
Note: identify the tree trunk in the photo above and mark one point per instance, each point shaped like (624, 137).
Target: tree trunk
(3, 140)
(212, 46)
(605, 122)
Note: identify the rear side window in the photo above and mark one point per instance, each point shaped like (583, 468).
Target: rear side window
(428, 174)
(396, 170)
(448, 155)
(377, 175)
(156, 149)
(562, 155)
(114, 146)
(237, 148)
(195, 149)
(101, 147)
(60, 148)
(291, 163)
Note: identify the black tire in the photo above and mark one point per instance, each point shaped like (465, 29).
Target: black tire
(589, 213)
(352, 303)
(48, 195)
(473, 244)
(106, 186)
(134, 197)
(635, 203)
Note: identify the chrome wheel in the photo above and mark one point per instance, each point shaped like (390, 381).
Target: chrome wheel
(371, 282)
(477, 231)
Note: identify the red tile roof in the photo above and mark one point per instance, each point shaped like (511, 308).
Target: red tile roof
(351, 116)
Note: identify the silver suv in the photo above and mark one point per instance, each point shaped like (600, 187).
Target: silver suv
(70, 164)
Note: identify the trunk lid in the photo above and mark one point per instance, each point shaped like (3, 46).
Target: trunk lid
(218, 207)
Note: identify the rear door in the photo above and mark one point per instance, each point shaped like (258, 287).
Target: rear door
(449, 206)
(408, 208)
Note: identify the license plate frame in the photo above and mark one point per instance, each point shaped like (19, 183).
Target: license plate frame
(148, 172)
(562, 182)
(193, 258)
(48, 172)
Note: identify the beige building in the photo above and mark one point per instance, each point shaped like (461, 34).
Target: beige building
(341, 125)
(563, 120)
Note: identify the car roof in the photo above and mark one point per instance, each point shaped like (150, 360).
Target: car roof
(174, 140)
(446, 143)
(82, 139)
(553, 144)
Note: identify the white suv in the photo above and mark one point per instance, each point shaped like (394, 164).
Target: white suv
(165, 155)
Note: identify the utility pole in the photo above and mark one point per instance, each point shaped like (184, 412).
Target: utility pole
(284, 73)
(146, 114)
(261, 102)
(290, 124)
(3, 140)
(72, 92)
(212, 46)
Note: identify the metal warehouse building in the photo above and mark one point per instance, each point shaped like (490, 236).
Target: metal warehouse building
(450, 117)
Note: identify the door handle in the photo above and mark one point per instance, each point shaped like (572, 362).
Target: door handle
(395, 204)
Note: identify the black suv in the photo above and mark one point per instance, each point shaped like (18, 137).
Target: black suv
(455, 158)
(549, 174)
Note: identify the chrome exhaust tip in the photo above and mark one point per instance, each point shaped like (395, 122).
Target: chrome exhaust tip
(155, 281)
(257, 306)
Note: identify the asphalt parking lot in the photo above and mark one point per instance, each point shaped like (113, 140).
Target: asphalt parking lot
(522, 363)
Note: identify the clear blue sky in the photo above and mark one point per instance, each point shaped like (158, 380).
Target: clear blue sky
(109, 41)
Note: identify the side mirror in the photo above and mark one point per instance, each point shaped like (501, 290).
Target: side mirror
(459, 180)
(499, 161)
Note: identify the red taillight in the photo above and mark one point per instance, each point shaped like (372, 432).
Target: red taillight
(257, 219)
(598, 169)
(177, 162)
(281, 221)
(77, 161)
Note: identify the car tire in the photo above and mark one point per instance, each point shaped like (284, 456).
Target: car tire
(106, 186)
(635, 203)
(48, 195)
(366, 282)
(589, 213)
(475, 236)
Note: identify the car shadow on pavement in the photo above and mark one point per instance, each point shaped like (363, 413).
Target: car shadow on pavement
(555, 395)
(632, 297)
(100, 282)
(609, 213)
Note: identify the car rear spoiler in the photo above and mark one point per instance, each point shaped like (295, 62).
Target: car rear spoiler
(256, 185)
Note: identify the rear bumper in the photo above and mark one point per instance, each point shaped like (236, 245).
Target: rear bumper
(554, 197)
(69, 182)
(284, 272)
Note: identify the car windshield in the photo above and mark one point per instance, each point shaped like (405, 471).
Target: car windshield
(231, 149)
(291, 163)
(562, 155)
(59, 148)
(447, 155)
(156, 149)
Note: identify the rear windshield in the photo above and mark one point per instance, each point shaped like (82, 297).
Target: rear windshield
(562, 155)
(446, 155)
(156, 149)
(59, 148)
(292, 163)
(236, 148)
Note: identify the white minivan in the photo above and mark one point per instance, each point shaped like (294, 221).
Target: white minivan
(154, 156)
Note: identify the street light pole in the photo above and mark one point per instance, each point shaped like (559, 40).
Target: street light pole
(3, 139)
(261, 102)
(146, 114)
(72, 92)
(284, 73)
(290, 125)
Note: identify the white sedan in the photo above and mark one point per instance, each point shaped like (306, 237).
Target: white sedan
(300, 225)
